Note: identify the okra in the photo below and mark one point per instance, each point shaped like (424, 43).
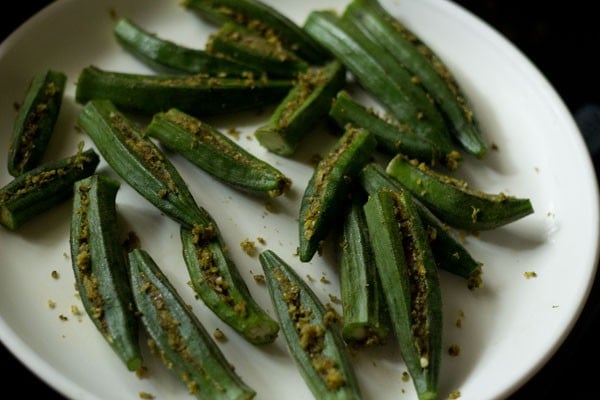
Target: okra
(44, 187)
(385, 78)
(207, 148)
(328, 187)
(178, 336)
(246, 47)
(311, 331)
(427, 67)
(166, 56)
(453, 201)
(392, 137)
(410, 285)
(448, 252)
(365, 320)
(216, 280)
(100, 267)
(139, 162)
(35, 121)
(198, 94)
(302, 108)
(263, 19)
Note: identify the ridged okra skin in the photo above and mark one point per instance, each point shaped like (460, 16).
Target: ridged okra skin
(209, 149)
(311, 331)
(326, 191)
(453, 202)
(165, 56)
(34, 125)
(427, 67)
(448, 252)
(392, 137)
(381, 75)
(44, 187)
(199, 94)
(263, 19)
(100, 267)
(365, 319)
(249, 48)
(302, 108)
(139, 162)
(217, 281)
(410, 284)
(178, 336)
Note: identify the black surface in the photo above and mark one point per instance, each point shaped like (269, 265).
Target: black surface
(561, 39)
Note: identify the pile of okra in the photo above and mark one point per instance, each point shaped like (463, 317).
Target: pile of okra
(386, 193)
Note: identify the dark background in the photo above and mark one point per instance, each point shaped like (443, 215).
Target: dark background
(561, 39)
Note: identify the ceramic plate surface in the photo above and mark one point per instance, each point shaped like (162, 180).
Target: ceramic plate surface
(509, 328)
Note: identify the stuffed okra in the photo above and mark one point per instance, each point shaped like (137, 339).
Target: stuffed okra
(35, 121)
(311, 332)
(179, 338)
(213, 152)
(43, 187)
(100, 267)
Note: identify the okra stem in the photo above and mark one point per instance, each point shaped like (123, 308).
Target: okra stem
(100, 267)
(178, 336)
(311, 332)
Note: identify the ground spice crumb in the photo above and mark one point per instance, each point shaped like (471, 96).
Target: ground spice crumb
(324, 280)
(454, 350)
(55, 274)
(249, 247)
(405, 376)
(141, 372)
(310, 278)
(269, 206)
(51, 304)
(454, 395)
(65, 255)
(75, 310)
(458, 323)
(259, 278)
(233, 132)
(261, 240)
(219, 335)
(63, 317)
(334, 299)
(148, 396)
(529, 274)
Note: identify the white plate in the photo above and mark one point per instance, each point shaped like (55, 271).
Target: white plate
(510, 328)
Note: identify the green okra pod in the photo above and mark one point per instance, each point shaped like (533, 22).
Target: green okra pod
(311, 331)
(263, 19)
(100, 267)
(179, 337)
(44, 187)
(302, 108)
(453, 202)
(217, 282)
(410, 285)
(448, 252)
(165, 56)
(365, 320)
(392, 137)
(139, 162)
(246, 47)
(427, 67)
(198, 94)
(35, 121)
(385, 78)
(207, 148)
(328, 187)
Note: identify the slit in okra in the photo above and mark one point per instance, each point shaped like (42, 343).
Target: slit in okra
(100, 267)
(44, 187)
(328, 187)
(35, 121)
(213, 152)
(453, 201)
(410, 284)
(179, 338)
(216, 280)
(311, 331)
(165, 56)
(305, 104)
(448, 252)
